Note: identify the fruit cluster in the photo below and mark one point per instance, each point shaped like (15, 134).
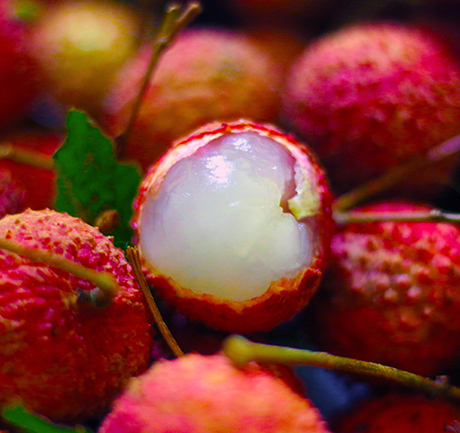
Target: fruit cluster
(285, 170)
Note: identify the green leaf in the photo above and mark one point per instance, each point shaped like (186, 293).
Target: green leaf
(32, 423)
(90, 180)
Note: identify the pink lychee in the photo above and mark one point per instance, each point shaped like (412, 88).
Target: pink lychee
(369, 97)
(234, 224)
(201, 394)
(206, 75)
(390, 294)
(61, 358)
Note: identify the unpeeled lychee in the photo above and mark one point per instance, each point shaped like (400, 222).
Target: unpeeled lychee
(12, 195)
(369, 97)
(61, 358)
(81, 45)
(27, 154)
(400, 413)
(207, 394)
(234, 224)
(19, 73)
(390, 294)
(206, 75)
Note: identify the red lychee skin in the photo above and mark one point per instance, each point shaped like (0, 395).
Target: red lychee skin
(371, 96)
(200, 394)
(39, 183)
(12, 195)
(206, 75)
(390, 294)
(283, 298)
(19, 73)
(399, 413)
(65, 360)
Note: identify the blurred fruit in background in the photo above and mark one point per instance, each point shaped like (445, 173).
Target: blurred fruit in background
(19, 73)
(372, 96)
(80, 45)
(27, 154)
(206, 75)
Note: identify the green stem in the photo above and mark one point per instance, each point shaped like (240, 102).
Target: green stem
(242, 351)
(435, 215)
(134, 260)
(24, 156)
(106, 284)
(173, 22)
(397, 174)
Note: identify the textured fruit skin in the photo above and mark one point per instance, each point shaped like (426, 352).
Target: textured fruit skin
(12, 195)
(390, 294)
(205, 394)
(19, 73)
(283, 298)
(79, 62)
(39, 183)
(372, 96)
(65, 360)
(399, 413)
(206, 75)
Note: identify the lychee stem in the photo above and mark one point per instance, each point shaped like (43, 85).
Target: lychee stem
(106, 285)
(135, 262)
(242, 351)
(174, 20)
(23, 156)
(435, 215)
(397, 174)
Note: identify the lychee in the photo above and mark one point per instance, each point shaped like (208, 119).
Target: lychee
(198, 393)
(206, 75)
(390, 294)
(27, 154)
(234, 224)
(400, 413)
(59, 356)
(369, 97)
(81, 45)
(12, 195)
(19, 73)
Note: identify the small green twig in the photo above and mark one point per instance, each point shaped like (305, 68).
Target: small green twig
(174, 20)
(106, 284)
(242, 351)
(25, 156)
(397, 174)
(435, 215)
(134, 260)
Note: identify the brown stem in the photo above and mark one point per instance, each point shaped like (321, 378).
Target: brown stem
(242, 351)
(397, 174)
(134, 260)
(435, 215)
(106, 285)
(173, 22)
(24, 156)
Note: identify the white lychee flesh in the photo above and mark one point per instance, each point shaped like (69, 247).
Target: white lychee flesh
(222, 224)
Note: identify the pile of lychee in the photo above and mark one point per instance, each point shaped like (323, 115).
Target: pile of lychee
(299, 169)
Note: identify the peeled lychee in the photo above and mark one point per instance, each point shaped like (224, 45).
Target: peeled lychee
(390, 294)
(400, 413)
(204, 394)
(60, 357)
(369, 97)
(206, 75)
(81, 45)
(234, 224)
